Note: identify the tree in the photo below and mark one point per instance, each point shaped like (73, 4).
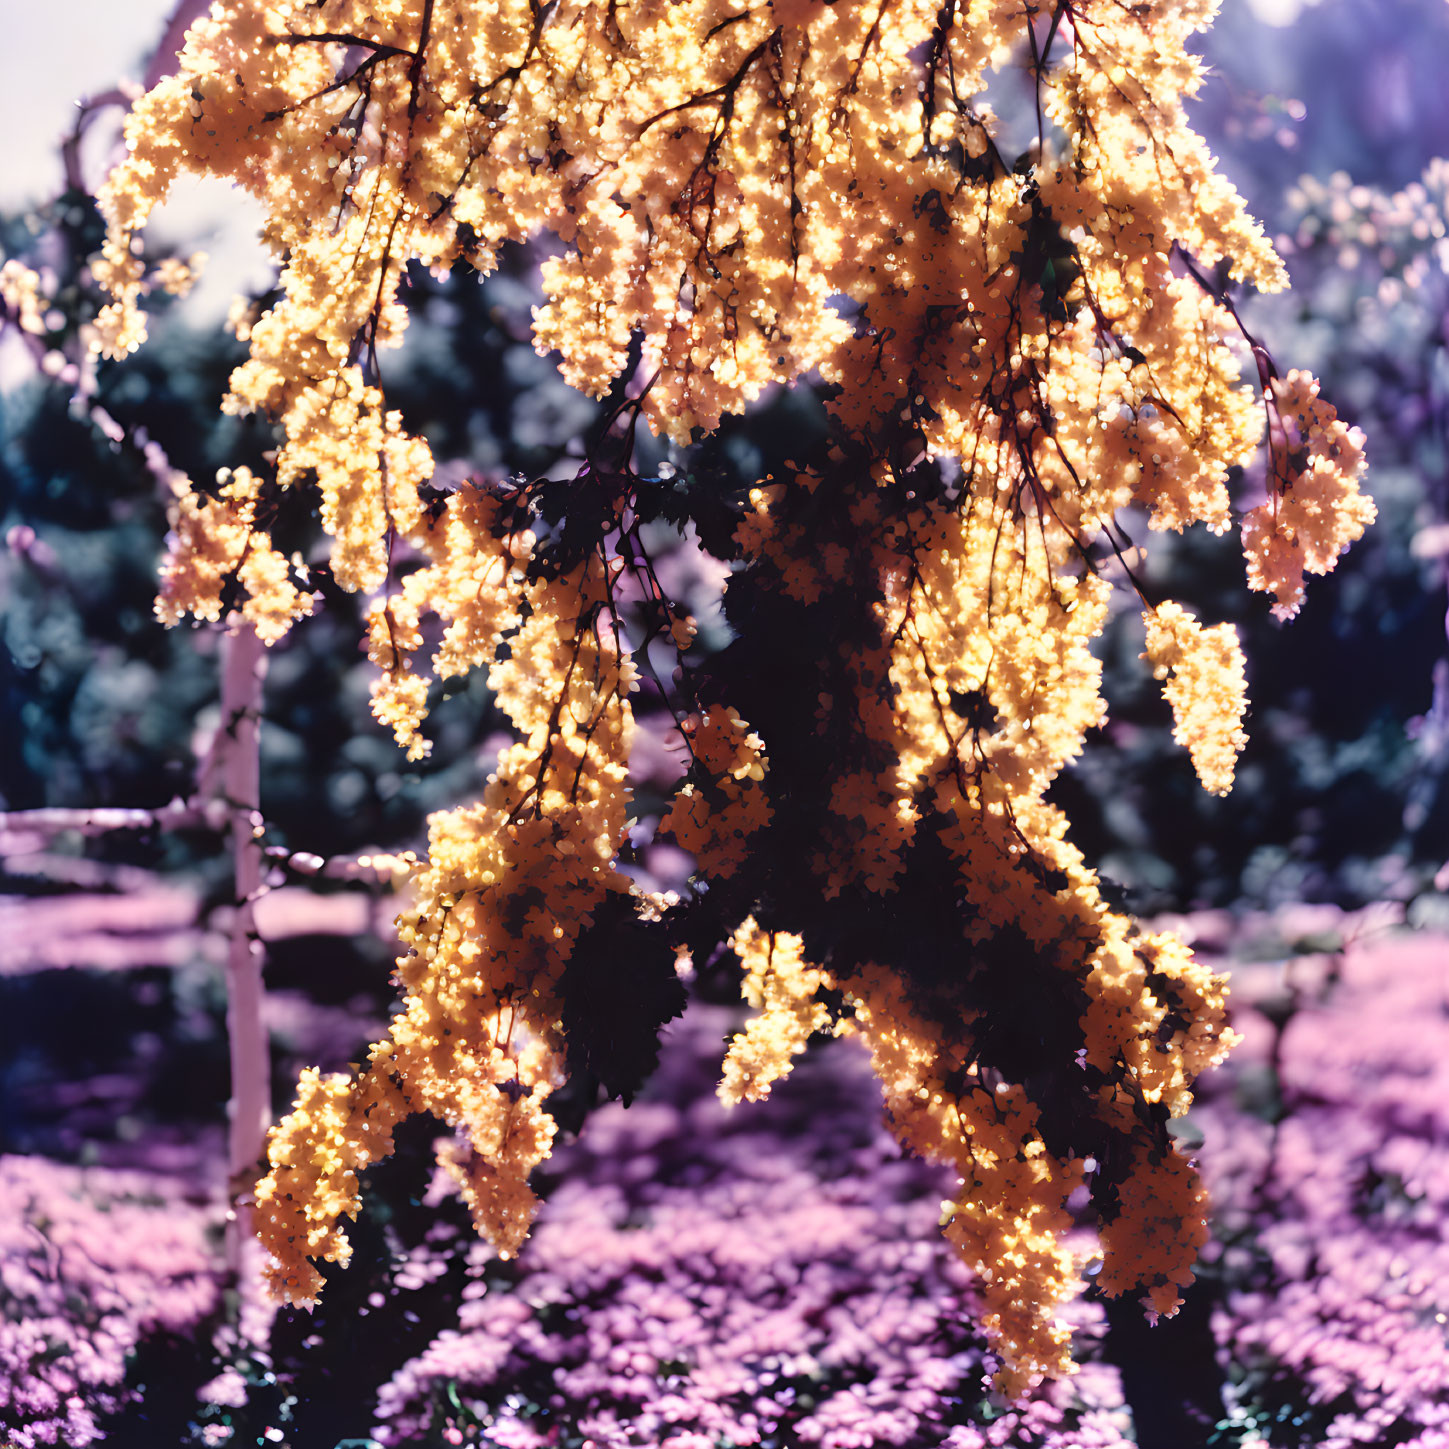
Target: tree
(1018, 326)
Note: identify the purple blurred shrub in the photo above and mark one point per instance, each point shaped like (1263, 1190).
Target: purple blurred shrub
(773, 1275)
(1327, 1149)
(1372, 266)
(91, 1260)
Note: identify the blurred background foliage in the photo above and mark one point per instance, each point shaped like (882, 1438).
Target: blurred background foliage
(1341, 792)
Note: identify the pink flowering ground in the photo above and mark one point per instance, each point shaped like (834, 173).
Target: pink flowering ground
(1327, 1149)
(770, 1275)
(775, 1275)
(91, 1260)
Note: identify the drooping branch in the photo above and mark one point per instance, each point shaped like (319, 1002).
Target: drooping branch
(742, 199)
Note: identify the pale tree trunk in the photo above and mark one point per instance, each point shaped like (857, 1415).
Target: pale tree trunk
(242, 671)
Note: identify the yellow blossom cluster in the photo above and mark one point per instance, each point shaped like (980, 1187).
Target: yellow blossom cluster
(178, 276)
(1315, 510)
(1206, 687)
(20, 292)
(980, 686)
(1017, 348)
(508, 886)
(781, 987)
(215, 540)
(1010, 1213)
(472, 583)
(715, 819)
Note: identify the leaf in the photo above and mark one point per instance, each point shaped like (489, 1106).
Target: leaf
(619, 989)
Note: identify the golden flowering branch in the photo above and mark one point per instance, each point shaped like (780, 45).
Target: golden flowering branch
(1012, 351)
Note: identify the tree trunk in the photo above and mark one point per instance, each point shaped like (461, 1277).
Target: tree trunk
(243, 669)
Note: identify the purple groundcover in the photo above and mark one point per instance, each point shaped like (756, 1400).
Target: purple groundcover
(769, 1274)
(775, 1274)
(91, 1260)
(1327, 1148)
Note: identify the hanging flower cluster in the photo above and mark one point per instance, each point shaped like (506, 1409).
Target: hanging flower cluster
(1014, 349)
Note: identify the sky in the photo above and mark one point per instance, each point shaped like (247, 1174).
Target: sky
(59, 51)
(63, 49)
(42, 74)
